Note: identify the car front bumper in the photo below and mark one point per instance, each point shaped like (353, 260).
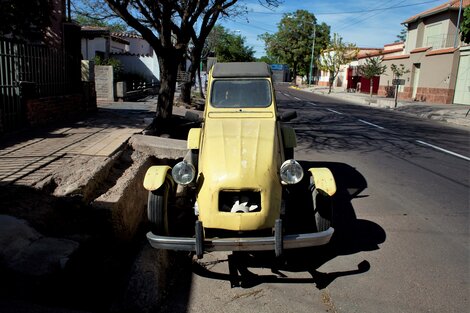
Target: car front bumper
(241, 244)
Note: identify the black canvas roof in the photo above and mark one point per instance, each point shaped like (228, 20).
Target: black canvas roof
(241, 69)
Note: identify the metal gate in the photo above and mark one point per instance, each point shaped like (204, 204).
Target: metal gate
(12, 112)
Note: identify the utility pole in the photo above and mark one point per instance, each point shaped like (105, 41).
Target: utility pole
(311, 59)
(458, 25)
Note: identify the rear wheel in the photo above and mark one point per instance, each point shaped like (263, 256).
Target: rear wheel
(157, 210)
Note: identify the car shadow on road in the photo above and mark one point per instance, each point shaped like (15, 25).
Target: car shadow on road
(352, 235)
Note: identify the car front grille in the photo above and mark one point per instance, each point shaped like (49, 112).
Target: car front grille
(246, 201)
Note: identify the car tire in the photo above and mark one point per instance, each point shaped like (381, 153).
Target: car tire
(323, 209)
(157, 210)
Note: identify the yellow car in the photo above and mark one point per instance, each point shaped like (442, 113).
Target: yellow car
(239, 166)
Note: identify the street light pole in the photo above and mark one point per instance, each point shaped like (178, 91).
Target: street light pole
(311, 59)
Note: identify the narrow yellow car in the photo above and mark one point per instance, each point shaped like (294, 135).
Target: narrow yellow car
(239, 166)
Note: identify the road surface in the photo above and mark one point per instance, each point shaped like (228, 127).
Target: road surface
(401, 215)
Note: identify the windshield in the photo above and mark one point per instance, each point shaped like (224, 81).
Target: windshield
(246, 93)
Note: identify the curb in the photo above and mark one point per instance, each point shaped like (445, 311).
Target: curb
(457, 116)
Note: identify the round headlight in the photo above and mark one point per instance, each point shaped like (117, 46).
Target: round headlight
(291, 172)
(183, 173)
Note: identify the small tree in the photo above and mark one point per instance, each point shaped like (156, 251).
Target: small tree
(373, 67)
(338, 53)
(398, 71)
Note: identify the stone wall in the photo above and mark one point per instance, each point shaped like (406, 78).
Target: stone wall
(40, 111)
(435, 95)
(104, 83)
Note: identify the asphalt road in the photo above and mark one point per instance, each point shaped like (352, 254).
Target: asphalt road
(401, 220)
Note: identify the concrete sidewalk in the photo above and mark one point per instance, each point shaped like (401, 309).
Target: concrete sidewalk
(28, 157)
(451, 113)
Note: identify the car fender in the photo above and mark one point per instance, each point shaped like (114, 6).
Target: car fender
(323, 180)
(155, 177)
(194, 136)
(288, 137)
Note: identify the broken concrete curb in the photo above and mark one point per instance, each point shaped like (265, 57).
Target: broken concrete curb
(127, 199)
(83, 176)
(161, 148)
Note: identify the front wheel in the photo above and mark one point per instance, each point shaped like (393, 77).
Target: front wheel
(323, 208)
(157, 210)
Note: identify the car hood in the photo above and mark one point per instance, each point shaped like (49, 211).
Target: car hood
(239, 154)
(238, 150)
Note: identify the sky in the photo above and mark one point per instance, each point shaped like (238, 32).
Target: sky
(366, 23)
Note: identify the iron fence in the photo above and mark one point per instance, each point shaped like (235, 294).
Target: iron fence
(33, 71)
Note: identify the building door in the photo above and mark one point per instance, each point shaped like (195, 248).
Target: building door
(462, 86)
(416, 68)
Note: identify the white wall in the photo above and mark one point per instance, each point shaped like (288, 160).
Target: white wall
(146, 66)
(411, 37)
(90, 46)
(139, 46)
(117, 47)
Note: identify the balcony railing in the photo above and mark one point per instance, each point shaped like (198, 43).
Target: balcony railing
(439, 41)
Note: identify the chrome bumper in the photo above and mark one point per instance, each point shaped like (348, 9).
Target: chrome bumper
(241, 244)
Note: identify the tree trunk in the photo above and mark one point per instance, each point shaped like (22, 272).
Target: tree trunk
(185, 95)
(168, 71)
(371, 86)
(295, 72)
(331, 80)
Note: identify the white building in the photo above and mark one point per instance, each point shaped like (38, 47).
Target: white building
(135, 54)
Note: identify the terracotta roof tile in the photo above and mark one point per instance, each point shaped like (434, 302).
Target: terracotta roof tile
(394, 43)
(441, 51)
(422, 49)
(396, 57)
(127, 35)
(378, 53)
(86, 27)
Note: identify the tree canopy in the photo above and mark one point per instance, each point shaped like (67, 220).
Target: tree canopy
(465, 25)
(169, 27)
(292, 43)
(24, 20)
(85, 20)
(231, 47)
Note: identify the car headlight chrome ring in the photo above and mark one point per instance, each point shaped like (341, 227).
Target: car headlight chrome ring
(291, 172)
(183, 173)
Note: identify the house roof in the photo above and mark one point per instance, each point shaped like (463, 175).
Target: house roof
(394, 44)
(127, 35)
(449, 5)
(94, 31)
(241, 69)
(97, 31)
(378, 53)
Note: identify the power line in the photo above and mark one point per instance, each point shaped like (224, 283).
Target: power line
(353, 12)
(360, 19)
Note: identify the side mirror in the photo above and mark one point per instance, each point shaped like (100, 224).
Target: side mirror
(193, 117)
(287, 116)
